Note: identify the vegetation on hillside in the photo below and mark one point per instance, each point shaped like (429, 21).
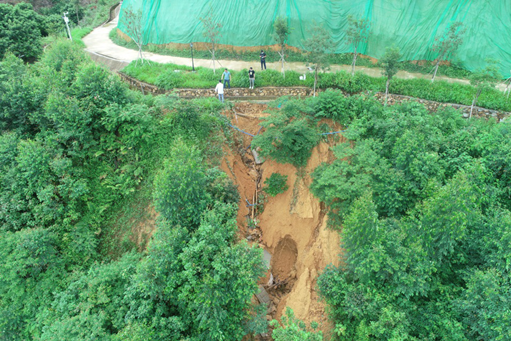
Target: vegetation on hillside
(423, 204)
(165, 76)
(77, 148)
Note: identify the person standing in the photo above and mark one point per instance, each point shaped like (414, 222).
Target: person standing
(263, 59)
(227, 78)
(251, 77)
(220, 90)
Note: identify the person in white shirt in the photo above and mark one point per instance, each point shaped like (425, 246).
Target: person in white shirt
(220, 90)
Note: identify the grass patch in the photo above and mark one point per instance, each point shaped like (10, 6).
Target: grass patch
(78, 33)
(170, 76)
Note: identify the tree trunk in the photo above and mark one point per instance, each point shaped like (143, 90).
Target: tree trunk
(213, 55)
(315, 80)
(282, 59)
(436, 70)
(354, 62)
(387, 90)
(474, 103)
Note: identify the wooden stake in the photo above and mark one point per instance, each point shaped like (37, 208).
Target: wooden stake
(253, 207)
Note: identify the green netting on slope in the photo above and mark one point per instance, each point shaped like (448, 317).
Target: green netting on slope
(409, 24)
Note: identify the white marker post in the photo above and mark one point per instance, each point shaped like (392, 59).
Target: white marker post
(66, 20)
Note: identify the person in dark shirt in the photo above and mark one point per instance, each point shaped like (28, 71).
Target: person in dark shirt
(263, 60)
(251, 77)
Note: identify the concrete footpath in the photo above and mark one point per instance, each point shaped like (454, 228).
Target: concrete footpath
(103, 50)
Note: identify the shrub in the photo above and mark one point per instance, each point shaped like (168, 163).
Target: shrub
(289, 136)
(179, 189)
(332, 104)
(276, 184)
(293, 329)
(169, 79)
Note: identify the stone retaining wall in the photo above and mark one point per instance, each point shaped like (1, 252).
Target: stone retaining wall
(270, 93)
(264, 93)
(434, 106)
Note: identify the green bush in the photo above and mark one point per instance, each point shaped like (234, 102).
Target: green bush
(293, 329)
(290, 134)
(332, 104)
(276, 184)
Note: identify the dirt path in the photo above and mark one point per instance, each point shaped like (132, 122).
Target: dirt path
(98, 43)
(292, 227)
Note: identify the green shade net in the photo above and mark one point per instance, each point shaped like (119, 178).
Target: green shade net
(412, 25)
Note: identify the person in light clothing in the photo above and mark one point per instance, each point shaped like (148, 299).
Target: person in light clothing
(220, 90)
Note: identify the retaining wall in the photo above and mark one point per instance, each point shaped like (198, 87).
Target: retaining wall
(263, 93)
(270, 93)
(434, 106)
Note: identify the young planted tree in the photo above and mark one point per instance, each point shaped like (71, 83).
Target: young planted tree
(280, 36)
(134, 26)
(212, 33)
(389, 64)
(508, 85)
(447, 44)
(484, 79)
(317, 46)
(356, 33)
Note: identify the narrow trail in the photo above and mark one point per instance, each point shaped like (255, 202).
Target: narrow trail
(292, 227)
(99, 44)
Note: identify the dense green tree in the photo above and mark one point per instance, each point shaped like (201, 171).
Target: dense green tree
(196, 284)
(484, 305)
(290, 135)
(41, 188)
(179, 189)
(92, 305)
(30, 271)
(21, 31)
(20, 96)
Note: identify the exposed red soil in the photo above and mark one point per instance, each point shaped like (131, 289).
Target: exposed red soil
(292, 227)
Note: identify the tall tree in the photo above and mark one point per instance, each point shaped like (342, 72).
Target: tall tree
(280, 35)
(484, 79)
(448, 43)
(356, 33)
(212, 33)
(317, 46)
(389, 64)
